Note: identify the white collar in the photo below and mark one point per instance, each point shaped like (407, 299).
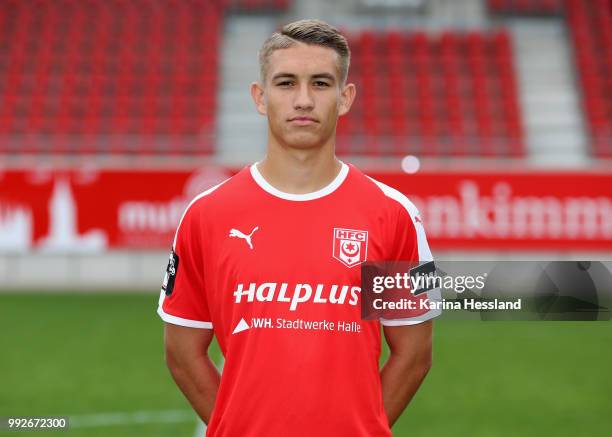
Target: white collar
(333, 185)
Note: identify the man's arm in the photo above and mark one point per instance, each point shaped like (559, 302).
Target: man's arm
(408, 363)
(191, 367)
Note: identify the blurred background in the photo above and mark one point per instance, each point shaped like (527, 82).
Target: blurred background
(493, 116)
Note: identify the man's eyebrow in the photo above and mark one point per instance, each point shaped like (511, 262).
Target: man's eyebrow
(284, 76)
(314, 76)
(324, 76)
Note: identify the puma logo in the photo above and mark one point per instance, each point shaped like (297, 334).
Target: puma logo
(236, 233)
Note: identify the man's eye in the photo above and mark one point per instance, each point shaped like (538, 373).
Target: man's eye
(285, 83)
(320, 83)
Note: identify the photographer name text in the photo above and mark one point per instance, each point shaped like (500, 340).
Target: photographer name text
(448, 304)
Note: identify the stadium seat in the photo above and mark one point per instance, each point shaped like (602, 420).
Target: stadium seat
(590, 24)
(109, 76)
(448, 95)
(526, 7)
(258, 5)
(591, 31)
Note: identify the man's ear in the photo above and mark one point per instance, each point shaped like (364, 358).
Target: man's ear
(257, 93)
(347, 97)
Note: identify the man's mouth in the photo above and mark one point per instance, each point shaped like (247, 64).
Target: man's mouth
(303, 121)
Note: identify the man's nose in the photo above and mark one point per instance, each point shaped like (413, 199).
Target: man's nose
(303, 98)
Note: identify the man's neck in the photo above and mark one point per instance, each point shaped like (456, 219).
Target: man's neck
(299, 171)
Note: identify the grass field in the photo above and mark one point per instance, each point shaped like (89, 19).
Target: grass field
(81, 355)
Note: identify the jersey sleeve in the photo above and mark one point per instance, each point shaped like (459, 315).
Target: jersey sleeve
(183, 299)
(409, 243)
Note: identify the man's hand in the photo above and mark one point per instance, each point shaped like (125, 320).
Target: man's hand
(191, 367)
(408, 363)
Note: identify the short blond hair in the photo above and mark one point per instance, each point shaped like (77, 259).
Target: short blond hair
(314, 32)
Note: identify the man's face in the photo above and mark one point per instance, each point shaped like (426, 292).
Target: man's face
(303, 95)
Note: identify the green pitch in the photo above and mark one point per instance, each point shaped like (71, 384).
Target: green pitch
(99, 359)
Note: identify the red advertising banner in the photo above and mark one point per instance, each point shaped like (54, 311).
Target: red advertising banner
(95, 210)
(91, 210)
(521, 211)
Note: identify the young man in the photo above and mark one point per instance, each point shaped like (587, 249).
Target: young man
(269, 262)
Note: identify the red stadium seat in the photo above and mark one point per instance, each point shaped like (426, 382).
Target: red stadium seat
(526, 7)
(591, 30)
(258, 5)
(102, 76)
(435, 89)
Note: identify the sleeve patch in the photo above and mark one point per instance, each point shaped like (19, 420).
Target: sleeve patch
(171, 270)
(418, 275)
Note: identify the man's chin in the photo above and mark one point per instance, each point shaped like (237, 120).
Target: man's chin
(304, 140)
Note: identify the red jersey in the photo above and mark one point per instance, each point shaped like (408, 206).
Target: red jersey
(277, 277)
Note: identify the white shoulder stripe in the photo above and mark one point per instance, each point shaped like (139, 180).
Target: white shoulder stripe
(423, 246)
(169, 318)
(194, 200)
(424, 255)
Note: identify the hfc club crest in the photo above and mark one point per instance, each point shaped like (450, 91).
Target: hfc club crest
(350, 246)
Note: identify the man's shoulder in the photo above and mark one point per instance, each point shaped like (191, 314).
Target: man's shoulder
(382, 193)
(226, 192)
